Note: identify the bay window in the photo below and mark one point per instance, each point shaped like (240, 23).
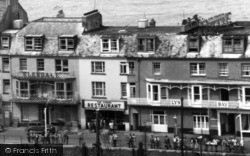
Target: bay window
(153, 92)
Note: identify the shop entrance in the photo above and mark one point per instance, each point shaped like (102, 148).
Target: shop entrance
(107, 116)
(227, 123)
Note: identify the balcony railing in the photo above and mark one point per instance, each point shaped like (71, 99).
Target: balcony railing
(186, 103)
(43, 75)
(53, 99)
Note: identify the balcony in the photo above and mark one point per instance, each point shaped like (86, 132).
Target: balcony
(54, 99)
(186, 103)
(43, 76)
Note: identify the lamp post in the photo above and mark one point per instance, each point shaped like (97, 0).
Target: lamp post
(45, 118)
(175, 124)
(98, 144)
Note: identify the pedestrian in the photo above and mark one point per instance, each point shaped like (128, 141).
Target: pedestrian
(133, 140)
(28, 136)
(48, 138)
(110, 139)
(152, 142)
(111, 126)
(66, 139)
(42, 139)
(167, 142)
(157, 142)
(115, 139)
(130, 140)
(81, 139)
(56, 138)
(36, 138)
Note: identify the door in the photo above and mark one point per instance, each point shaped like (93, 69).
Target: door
(135, 121)
(224, 94)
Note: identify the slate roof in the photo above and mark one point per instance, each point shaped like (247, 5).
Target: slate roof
(3, 9)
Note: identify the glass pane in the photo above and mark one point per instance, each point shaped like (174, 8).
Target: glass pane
(156, 121)
(162, 120)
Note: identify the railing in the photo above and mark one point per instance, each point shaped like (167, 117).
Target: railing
(186, 103)
(35, 98)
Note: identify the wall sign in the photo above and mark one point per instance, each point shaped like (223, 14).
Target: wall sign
(175, 102)
(222, 104)
(104, 105)
(40, 74)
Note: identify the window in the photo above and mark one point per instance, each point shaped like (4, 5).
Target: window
(199, 93)
(62, 66)
(233, 45)
(63, 90)
(6, 64)
(98, 67)
(193, 44)
(40, 64)
(127, 67)
(157, 68)
(69, 90)
(6, 86)
(110, 45)
(146, 44)
(60, 90)
(5, 42)
(223, 69)
(158, 117)
(132, 90)
(245, 70)
(247, 95)
(153, 92)
(66, 43)
(198, 69)
(124, 90)
(23, 64)
(22, 89)
(33, 43)
(98, 89)
(200, 121)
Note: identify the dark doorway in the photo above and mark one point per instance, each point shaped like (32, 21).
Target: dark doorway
(135, 121)
(227, 123)
(224, 94)
(231, 124)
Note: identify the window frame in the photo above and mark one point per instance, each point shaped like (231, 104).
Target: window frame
(151, 94)
(64, 68)
(124, 90)
(23, 67)
(38, 63)
(5, 66)
(32, 45)
(233, 47)
(146, 44)
(67, 46)
(94, 70)
(127, 68)
(109, 45)
(19, 89)
(154, 69)
(199, 124)
(154, 115)
(198, 70)
(193, 47)
(5, 45)
(223, 71)
(8, 90)
(244, 72)
(101, 89)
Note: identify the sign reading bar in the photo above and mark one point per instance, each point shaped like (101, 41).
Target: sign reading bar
(104, 105)
(40, 74)
(222, 104)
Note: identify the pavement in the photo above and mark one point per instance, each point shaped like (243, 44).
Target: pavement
(18, 135)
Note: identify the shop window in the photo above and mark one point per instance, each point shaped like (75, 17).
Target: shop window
(153, 92)
(158, 117)
(62, 65)
(194, 44)
(5, 42)
(40, 65)
(200, 122)
(66, 43)
(233, 45)
(98, 89)
(110, 45)
(156, 68)
(6, 64)
(223, 67)
(34, 43)
(6, 86)
(146, 44)
(245, 68)
(23, 64)
(98, 67)
(198, 69)
(127, 68)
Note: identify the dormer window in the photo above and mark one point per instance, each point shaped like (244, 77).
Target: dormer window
(146, 43)
(33, 42)
(5, 42)
(233, 45)
(67, 42)
(194, 44)
(110, 45)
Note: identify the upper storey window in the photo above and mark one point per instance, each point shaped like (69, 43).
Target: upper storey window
(34, 42)
(233, 45)
(67, 42)
(198, 69)
(146, 43)
(5, 42)
(109, 45)
(194, 44)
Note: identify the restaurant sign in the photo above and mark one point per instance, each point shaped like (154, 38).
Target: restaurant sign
(104, 105)
(40, 74)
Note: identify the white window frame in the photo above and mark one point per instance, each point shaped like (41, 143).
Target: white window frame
(164, 115)
(223, 69)
(193, 44)
(233, 47)
(23, 64)
(66, 46)
(5, 42)
(144, 44)
(39, 62)
(156, 71)
(198, 124)
(124, 90)
(95, 64)
(36, 43)
(246, 98)
(245, 72)
(6, 88)
(130, 90)
(64, 68)
(19, 90)
(195, 69)
(5, 66)
(107, 45)
(150, 93)
(194, 94)
(127, 68)
(95, 89)
(65, 93)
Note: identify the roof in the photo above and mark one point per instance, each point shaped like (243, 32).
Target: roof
(108, 30)
(52, 28)
(3, 9)
(10, 31)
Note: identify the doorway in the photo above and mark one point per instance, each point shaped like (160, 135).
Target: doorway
(135, 121)
(227, 123)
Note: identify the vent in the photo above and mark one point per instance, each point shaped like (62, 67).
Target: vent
(18, 24)
(142, 23)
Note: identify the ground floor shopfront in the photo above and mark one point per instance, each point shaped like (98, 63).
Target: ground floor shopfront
(113, 112)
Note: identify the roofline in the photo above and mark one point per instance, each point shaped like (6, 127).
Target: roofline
(42, 18)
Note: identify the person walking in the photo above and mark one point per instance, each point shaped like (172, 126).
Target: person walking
(133, 140)
(115, 139)
(167, 142)
(28, 136)
(152, 141)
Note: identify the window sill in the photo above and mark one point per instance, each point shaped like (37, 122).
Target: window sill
(68, 51)
(5, 71)
(223, 75)
(123, 98)
(157, 74)
(198, 75)
(60, 72)
(246, 76)
(98, 73)
(127, 74)
(94, 97)
(36, 51)
(233, 52)
(6, 93)
(193, 52)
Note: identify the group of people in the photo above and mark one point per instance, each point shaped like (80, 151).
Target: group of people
(231, 144)
(103, 125)
(156, 143)
(50, 138)
(113, 139)
(132, 140)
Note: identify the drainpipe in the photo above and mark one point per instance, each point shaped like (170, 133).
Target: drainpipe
(11, 86)
(139, 83)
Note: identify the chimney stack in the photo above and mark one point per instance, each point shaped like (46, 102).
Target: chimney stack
(60, 14)
(92, 20)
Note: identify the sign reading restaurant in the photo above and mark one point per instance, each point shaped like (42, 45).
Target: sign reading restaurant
(104, 105)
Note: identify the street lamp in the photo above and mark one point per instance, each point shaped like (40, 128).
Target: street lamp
(45, 117)
(175, 124)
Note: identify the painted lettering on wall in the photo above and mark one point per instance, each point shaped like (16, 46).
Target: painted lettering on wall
(40, 74)
(223, 104)
(105, 105)
(175, 102)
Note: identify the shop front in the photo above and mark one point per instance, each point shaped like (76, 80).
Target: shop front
(111, 112)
